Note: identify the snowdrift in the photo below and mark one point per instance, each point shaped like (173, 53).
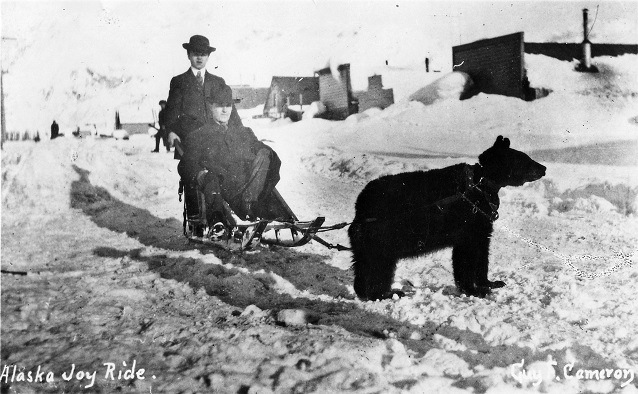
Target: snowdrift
(451, 86)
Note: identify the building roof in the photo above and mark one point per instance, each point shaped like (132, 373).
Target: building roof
(327, 70)
(133, 113)
(295, 84)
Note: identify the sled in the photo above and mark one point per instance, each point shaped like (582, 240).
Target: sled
(279, 226)
(246, 236)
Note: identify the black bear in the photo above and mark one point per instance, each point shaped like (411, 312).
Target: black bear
(414, 213)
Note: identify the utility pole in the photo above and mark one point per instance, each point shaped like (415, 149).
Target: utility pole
(3, 120)
(3, 125)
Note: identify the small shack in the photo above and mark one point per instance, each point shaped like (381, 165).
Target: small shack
(497, 65)
(375, 96)
(247, 97)
(290, 91)
(335, 92)
(135, 118)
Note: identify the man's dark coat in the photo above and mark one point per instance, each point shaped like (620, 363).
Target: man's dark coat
(187, 98)
(228, 154)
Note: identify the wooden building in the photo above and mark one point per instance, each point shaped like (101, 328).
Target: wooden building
(375, 96)
(289, 91)
(134, 118)
(497, 65)
(336, 93)
(247, 97)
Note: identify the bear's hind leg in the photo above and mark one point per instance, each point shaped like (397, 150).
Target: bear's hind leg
(360, 275)
(373, 275)
(379, 286)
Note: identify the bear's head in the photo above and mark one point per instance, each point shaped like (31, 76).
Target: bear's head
(508, 167)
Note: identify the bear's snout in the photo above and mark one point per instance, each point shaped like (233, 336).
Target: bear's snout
(538, 171)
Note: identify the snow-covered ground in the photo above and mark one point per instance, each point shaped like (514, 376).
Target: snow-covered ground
(96, 226)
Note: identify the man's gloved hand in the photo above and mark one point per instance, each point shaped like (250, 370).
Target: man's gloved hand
(172, 137)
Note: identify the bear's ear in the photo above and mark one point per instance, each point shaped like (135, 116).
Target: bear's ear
(502, 142)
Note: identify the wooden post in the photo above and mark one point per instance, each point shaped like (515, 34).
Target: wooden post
(586, 42)
(4, 126)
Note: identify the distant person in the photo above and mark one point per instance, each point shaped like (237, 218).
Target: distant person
(37, 136)
(161, 132)
(228, 163)
(55, 130)
(188, 91)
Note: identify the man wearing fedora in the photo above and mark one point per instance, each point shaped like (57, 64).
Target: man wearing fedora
(188, 91)
(186, 103)
(161, 132)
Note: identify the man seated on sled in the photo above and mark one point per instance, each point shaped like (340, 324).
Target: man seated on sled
(229, 164)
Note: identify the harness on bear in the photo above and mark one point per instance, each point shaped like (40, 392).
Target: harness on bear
(491, 198)
(487, 203)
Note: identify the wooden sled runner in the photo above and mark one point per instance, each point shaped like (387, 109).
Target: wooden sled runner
(278, 227)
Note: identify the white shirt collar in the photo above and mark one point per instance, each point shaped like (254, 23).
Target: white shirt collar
(203, 71)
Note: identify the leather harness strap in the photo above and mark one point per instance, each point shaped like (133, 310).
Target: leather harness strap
(469, 185)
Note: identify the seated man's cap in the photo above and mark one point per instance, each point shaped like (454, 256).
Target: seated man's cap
(198, 44)
(223, 96)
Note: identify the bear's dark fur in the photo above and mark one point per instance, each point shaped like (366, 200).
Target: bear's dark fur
(414, 213)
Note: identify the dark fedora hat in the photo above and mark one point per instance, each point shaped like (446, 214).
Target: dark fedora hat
(162, 102)
(224, 96)
(198, 44)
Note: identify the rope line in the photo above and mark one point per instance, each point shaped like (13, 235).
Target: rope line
(593, 23)
(569, 259)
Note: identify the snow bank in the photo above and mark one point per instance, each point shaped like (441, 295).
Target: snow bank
(612, 189)
(563, 119)
(615, 80)
(450, 86)
(333, 163)
(316, 108)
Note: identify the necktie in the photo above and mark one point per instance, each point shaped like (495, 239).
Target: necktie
(200, 79)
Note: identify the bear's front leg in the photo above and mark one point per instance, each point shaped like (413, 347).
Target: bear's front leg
(482, 256)
(464, 268)
(497, 284)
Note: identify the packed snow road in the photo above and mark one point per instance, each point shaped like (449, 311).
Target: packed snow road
(112, 290)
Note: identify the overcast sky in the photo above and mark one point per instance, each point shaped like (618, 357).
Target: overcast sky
(256, 40)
